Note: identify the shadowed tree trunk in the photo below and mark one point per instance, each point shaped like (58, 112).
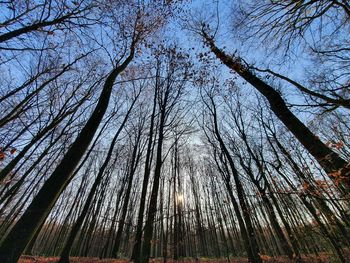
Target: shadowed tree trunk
(337, 168)
(72, 235)
(25, 228)
(135, 157)
(138, 236)
(148, 229)
(251, 243)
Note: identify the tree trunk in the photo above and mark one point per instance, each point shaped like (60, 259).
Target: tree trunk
(337, 168)
(25, 228)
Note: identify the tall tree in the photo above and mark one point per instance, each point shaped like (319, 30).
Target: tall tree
(336, 167)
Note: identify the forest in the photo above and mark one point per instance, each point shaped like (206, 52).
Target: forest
(193, 131)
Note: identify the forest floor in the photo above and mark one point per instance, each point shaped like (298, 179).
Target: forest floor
(321, 258)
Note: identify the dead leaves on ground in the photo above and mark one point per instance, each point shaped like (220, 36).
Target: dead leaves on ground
(321, 258)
